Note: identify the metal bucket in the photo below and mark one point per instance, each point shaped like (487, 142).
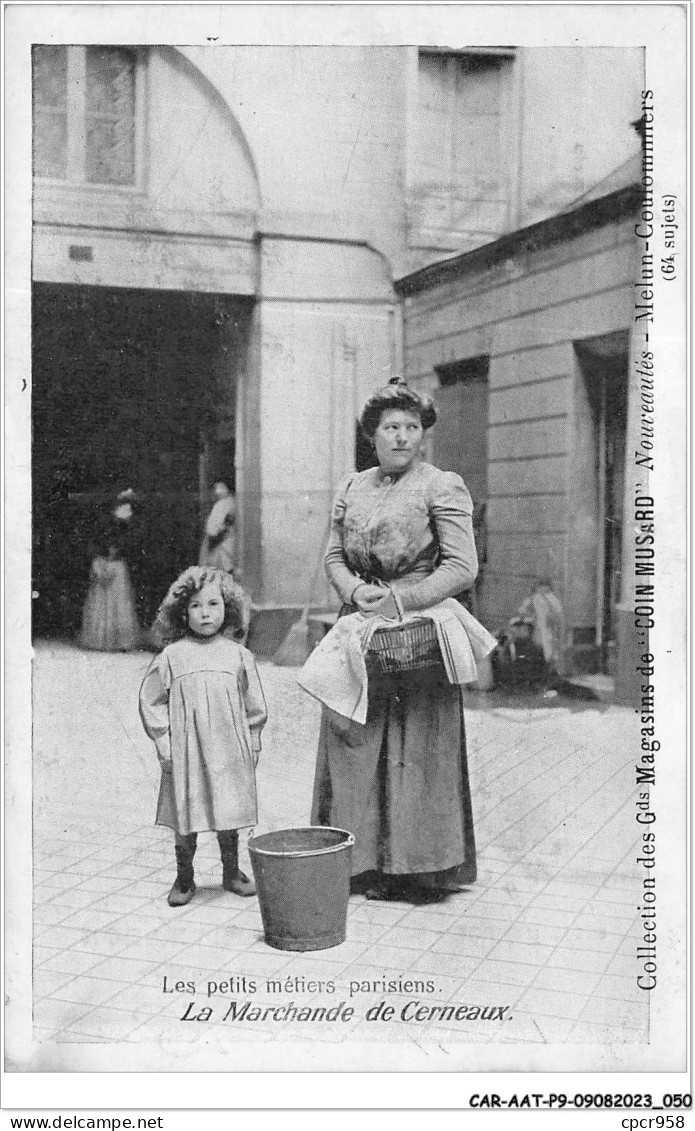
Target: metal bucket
(303, 881)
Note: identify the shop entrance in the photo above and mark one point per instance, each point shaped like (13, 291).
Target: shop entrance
(131, 389)
(601, 400)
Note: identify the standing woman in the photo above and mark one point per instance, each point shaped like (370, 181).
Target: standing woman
(126, 531)
(218, 548)
(109, 617)
(400, 782)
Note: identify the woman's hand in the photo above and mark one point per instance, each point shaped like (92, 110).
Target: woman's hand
(370, 598)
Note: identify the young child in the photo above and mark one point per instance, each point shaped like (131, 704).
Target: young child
(202, 704)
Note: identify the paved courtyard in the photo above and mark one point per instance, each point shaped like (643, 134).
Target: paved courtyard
(548, 931)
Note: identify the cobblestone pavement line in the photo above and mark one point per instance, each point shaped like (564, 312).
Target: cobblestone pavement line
(550, 929)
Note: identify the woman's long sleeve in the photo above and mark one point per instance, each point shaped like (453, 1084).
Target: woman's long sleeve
(154, 706)
(254, 699)
(451, 510)
(343, 580)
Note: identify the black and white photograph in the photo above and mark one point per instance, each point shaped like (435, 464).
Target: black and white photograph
(346, 545)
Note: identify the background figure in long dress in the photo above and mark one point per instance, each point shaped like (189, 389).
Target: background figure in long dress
(218, 548)
(126, 529)
(109, 619)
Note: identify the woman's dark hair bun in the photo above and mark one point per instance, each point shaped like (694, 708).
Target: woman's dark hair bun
(397, 394)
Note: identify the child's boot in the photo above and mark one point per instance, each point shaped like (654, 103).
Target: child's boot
(183, 887)
(233, 879)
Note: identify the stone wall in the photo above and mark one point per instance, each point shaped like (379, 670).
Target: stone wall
(526, 313)
(282, 174)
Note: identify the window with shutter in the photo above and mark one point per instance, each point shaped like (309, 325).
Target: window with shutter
(85, 109)
(460, 182)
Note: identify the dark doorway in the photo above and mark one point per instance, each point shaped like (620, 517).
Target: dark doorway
(460, 438)
(460, 444)
(604, 371)
(130, 389)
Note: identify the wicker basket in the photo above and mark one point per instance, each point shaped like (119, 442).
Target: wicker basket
(404, 648)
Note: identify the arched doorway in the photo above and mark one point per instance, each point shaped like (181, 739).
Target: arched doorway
(144, 272)
(132, 389)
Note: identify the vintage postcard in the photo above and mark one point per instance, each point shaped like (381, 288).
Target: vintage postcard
(345, 572)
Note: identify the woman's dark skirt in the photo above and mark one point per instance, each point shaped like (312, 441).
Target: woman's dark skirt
(400, 782)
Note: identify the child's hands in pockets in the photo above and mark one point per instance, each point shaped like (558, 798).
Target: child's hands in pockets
(162, 745)
(255, 747)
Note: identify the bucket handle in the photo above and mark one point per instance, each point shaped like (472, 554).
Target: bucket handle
(295, 854)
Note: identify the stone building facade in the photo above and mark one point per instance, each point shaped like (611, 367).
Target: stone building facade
(217, 235)
(526, 344)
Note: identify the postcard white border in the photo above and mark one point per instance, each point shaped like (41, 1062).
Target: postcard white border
(663, 29)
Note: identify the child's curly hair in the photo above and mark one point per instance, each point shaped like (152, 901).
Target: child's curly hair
(171, 623)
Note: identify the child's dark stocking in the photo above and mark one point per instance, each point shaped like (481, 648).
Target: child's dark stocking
(232, 878)
(184, 887)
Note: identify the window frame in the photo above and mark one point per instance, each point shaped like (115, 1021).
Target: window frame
(76, 122)
(419, 234)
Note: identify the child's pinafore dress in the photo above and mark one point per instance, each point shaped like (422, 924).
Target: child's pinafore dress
(202, 703)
